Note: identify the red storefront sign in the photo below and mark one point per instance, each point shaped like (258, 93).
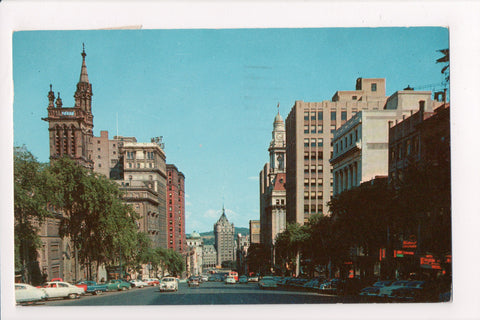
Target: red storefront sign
(409, 244)
(429, 262)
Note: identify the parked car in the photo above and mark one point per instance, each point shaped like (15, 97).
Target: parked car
(204, 277)
(81, 285)
(113, 285)
(387, 290)
(60, 289)
(230, 280)
(333, 286)
(242, 279)
(138, 283)
(267, 282)
(92, 287)
(152, 282)
(168, 284)
(193, 282)
(27, 293)
(370, 291)
(253, 279)
(212, 278)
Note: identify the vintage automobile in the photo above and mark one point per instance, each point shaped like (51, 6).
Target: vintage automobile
(93, 287)
(60, 289)
(242, 279)
(152, 282)
(267, 282)
(137, 283)
(193, 282)
(113, 285)
(25, 293)
(168, 284)
(230, 280)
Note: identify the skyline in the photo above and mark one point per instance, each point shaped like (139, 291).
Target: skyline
(212, 94)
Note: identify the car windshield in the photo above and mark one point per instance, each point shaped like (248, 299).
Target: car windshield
(168, 279)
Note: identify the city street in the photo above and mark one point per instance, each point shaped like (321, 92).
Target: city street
(209, 293)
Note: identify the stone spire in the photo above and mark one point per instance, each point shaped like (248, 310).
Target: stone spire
(83, 95)
(83, 73)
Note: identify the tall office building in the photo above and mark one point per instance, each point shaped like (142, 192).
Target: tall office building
(254, 231)
(175, 208)
(224, 239)
(272, 188)
(309, 133)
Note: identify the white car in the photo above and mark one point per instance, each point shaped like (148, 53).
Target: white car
(138, 283)
(60, 289)
(27, 293)
(168, 284)
(230, 279)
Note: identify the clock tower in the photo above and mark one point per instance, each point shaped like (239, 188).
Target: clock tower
(277, 147)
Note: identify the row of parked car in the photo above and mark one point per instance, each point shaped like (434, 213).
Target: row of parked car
(379, 291)
(57, 288)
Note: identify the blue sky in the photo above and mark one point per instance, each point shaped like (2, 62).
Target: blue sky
(212, 94)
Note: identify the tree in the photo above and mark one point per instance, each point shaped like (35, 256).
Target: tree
(445, 59)
(33, 189)
(102, 227)
(258, 258)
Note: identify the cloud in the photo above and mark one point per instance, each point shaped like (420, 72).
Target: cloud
(255, 178)
(188, 204)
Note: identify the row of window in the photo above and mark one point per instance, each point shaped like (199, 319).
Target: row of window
(347, 141)
(139, 165)
(314, 115)
(312, 208)
(313, 142)
(313, 154)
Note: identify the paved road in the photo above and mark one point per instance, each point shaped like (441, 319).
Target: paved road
(209, 293)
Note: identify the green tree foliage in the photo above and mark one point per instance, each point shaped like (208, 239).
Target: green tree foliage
(33, 189)
(103, 228)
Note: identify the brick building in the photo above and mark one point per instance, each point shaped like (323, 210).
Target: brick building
(176, 209)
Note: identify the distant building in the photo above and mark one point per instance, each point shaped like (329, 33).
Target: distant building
(254, 231)
(243, 243)
(194, 254)
(209, 257)
(224, 239)
(176, 208)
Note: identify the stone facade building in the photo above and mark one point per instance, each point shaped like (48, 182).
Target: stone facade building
(209, 256)
(224, 239)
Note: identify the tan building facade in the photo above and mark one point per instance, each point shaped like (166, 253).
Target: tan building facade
(309, 132)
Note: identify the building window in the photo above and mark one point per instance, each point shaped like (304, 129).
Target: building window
(305, 195)
(313, 143)
(320, 181)
(320, 142)
(305, 129)
(313, 168)
(354, 97)
(344, 115)
(305, 155)
(333, 115)
(332, 128)
(313, 181)
(320, 195)
(320, 129)
(98, 149)
(320, 168)
(320, 115)
(305, 168)
(306, 142)
(305, 182)
(313, 129)
(374, 87)
(305, 116)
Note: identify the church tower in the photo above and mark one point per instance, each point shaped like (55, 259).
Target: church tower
(71, 128)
